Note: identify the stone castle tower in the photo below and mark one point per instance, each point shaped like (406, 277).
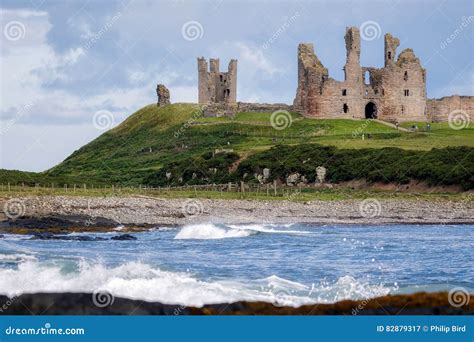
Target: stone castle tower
(396, 92)
(215, 86)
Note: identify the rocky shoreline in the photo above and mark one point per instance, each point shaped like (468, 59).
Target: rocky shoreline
(105, 304)
(140, 212)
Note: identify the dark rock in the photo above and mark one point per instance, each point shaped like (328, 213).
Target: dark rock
(61, 221)
(82, 304)
(43, 236)
(51, 236)
(123, 237)
(2, 236)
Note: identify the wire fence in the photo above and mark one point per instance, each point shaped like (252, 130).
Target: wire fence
(268, 189)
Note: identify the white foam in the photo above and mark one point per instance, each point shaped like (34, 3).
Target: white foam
(209, 231)
(16, 257)
(266, 229)
(141, 281)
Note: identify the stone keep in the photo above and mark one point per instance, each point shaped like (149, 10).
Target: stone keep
(396, 92)
(215, 86)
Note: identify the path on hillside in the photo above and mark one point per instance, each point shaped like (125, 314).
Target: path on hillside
(389, 124)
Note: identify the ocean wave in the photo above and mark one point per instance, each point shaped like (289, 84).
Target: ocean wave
(268, 229)
(143, 282)
(16, 257)
(211, 231)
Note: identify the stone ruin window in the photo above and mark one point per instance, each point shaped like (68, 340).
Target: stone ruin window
(366, 77)
(344, 92)
(221, 77)
(345, 108)
(366, 92)
(405, 77)
(389, 55)
(407, 92)
(383, 92)
(403, 109)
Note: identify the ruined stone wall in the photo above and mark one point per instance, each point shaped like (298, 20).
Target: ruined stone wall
(215, 86)
(439, 109)
(163, 95)
(311, 76)
(263, 107)
(222, 109)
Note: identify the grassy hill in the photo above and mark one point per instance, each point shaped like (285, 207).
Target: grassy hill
(177, 135)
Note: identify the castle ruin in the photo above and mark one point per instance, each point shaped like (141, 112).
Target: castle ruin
(395, 93)
(216, 86)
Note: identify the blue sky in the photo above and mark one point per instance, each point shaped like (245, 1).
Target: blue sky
(64, 61)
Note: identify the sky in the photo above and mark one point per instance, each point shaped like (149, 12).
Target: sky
(70, 70)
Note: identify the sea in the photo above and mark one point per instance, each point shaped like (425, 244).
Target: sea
(289, 265)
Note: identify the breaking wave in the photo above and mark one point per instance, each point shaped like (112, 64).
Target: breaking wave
(210, 231)
(141, 281)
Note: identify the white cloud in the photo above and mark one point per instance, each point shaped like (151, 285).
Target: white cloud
(251, 56)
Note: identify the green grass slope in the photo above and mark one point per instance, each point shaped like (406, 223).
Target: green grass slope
(155, 136)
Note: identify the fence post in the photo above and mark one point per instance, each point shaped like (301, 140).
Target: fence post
(8, 186)
(275, 187)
